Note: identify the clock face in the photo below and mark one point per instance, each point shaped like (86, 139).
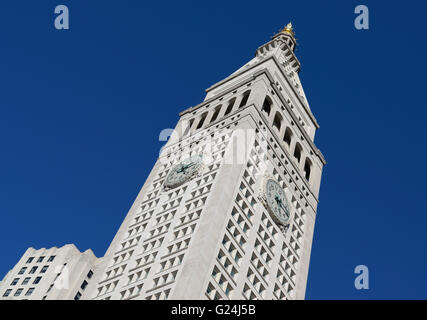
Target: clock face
(183, 172)
(277, 203)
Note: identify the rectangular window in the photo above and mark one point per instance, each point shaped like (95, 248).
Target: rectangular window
(37, 280)
(202, 120)
(29, 292)
(26, 280)
(90, 274)
(215, 115)
(78, 296)
(18, 292)
(227, 291)
(33, 270)
(14, 282)
(51, 258)
(30, 260)
(84, 285)
(7, 293)
(40, 259)
(22, 270)
(43, 270)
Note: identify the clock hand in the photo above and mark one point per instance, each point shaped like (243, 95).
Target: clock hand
(280, 203)
(182, 169)
(189, 165)
(186, 166)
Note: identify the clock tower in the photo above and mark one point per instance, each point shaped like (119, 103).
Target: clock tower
(228, 210)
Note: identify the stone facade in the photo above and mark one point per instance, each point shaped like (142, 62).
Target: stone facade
(49, 274)
(211, 237)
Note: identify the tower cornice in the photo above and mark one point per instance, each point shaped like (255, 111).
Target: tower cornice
(279, 94)
(237, 74)
(280, 41)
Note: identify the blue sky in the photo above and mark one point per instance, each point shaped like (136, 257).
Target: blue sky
(81, 111)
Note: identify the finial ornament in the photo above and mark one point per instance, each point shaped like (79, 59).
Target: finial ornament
(289, 29)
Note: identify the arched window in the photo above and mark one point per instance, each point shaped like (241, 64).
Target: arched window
(266, 106)
(307, 169)
(277, 122)
(288, 136)
(202, 119)
(297, 152)
(216, 113)
(230, 106)
(187, 129)
(245, 98)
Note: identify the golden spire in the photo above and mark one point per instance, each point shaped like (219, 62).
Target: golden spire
(289, 29)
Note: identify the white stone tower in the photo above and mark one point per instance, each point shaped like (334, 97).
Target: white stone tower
(228, 209)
